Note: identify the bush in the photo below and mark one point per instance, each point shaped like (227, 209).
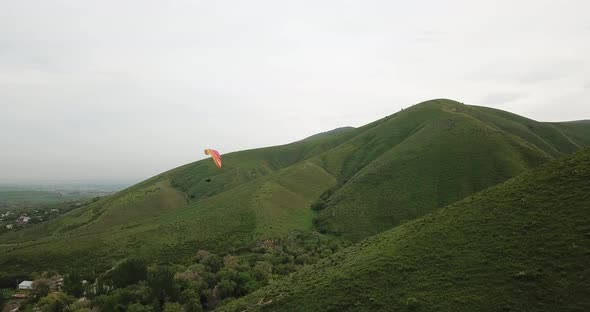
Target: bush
(412, 303)
(73, 284)
(40, 288)
(138, 307)
(213, 261)
(319, 205)
(173, 307)
(128, 272)
(55, 302)
(78, 306)
(324, 200)
(194, 305)
(226, 288)
(163, 285)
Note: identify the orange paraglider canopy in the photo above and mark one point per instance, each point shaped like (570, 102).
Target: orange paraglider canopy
(215, 155)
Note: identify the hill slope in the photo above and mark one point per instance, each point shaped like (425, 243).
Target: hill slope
(263, 192)
(519, 246)
(380, 175)
(429, 156)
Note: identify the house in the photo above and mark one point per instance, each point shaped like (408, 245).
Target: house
(22, 220)
(9, 226)
(25, 285)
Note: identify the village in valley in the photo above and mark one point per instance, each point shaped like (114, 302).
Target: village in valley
(45, 285)
(14, 220)
(22, 206)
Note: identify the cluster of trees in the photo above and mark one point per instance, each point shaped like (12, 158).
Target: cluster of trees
(209, 280)
(201, 284)
(44, 298)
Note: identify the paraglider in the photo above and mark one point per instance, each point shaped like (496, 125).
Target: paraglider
(216, 158)
(215, 155)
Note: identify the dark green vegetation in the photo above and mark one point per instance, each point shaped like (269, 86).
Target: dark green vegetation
(520, 246)
(207, 279)
(200, 283)
(378, 176)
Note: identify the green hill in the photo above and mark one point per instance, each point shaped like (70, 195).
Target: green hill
(371, 179)
(428, 156)
(265, 184)
(520, 246)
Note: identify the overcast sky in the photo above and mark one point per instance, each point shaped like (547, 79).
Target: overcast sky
(124, 90)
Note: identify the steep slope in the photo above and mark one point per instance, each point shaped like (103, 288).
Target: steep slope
(577, 131)
(428, 156)
(519, 246)
(381, 175)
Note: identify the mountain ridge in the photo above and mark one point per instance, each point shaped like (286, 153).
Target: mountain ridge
(264, 193)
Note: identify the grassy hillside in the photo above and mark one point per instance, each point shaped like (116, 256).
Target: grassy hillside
(21, 197)
(159, 221)
(380, 175)
(520, 246)
(428, 156)
(577, 131)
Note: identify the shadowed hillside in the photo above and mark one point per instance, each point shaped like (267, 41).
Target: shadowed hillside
(520, 246)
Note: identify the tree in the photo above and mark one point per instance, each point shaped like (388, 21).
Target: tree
(230, 261)
(2, 300)
(129, 272)
(55, 302)
(96, 289)
(211, 299)
(226, 288)
(173, 307)
(213, 261)
(138, 307)
(262, 270)
(79, 306)
(194, 305)
(73, 284)
(188, 294)
(106, 302)
(40, 288)
(303, 259)
(163, 285)
(201, 254)
(156, 306)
